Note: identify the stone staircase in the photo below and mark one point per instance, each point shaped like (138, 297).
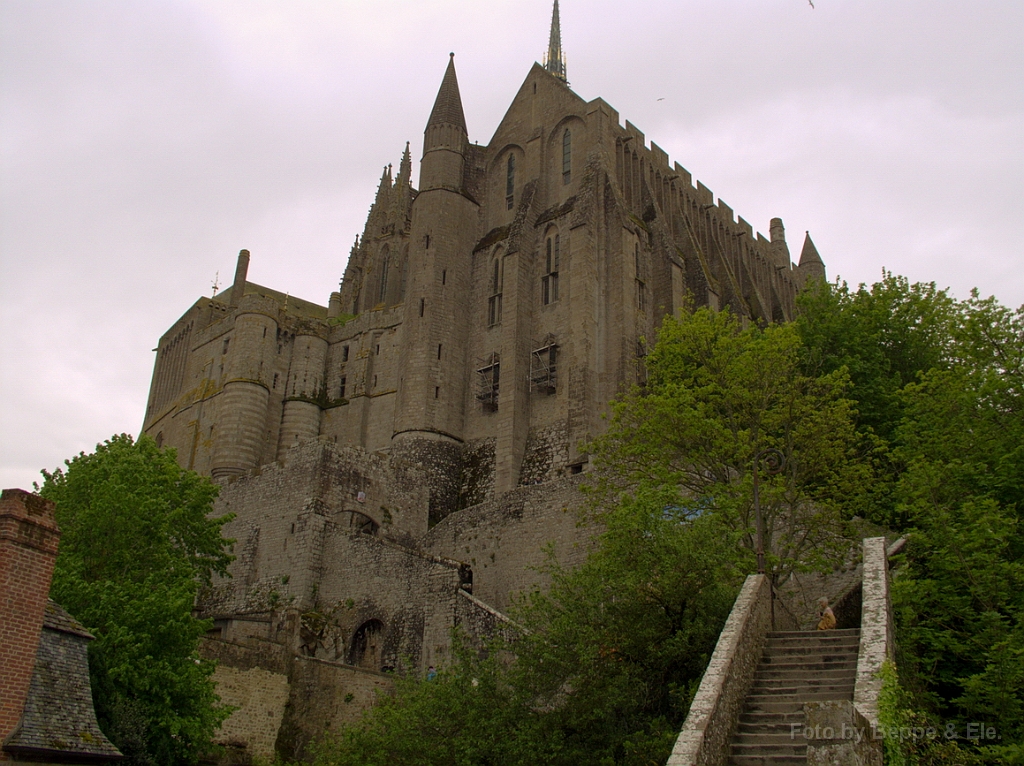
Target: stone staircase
(796, 667)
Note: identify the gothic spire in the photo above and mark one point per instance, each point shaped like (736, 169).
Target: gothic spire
(405, 169)
(448, 105)
(554, 62)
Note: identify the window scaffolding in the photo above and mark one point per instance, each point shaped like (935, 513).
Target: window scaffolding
(488, 378)
(544, 365)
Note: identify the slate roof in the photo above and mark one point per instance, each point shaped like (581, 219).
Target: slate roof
(448, 106)
(59, 721)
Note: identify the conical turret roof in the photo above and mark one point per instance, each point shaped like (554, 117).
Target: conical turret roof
(448, 104)
(809, 254)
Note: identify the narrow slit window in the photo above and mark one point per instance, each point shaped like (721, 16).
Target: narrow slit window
(382, 293)
(494, 302)
(566, 156)
(341, 389)
(510, 182)
(549, 282)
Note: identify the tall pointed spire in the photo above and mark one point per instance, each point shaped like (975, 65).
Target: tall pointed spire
(405, 169)
(448, 104)
(554, 62)
(445, 138)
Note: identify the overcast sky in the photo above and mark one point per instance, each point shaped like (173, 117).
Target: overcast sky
(142, 144)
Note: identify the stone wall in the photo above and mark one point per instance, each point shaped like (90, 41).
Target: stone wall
(704, 739)
(505, 540)
(285, 510)
(285, 701)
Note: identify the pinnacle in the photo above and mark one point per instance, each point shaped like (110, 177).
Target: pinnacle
(554, 61)
(809, 254)
(448, 104)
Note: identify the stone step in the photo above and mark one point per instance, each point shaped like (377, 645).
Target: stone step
(819, 640)
(753, 718)
(790, 703)
(787, 737)
(797, 685)
(768, 748)
(794, 656)
(794, 669)
(768, 760)
(812, 633)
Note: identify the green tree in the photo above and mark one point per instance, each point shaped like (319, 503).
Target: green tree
(960, 600)
(719, 395)
(136, 544)
(885, 336)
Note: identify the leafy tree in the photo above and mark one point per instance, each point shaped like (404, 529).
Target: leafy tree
(718, 396)
(960, 602)
(136, 544)
(885, 336)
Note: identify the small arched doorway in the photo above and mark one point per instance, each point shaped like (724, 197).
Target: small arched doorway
(366, 649)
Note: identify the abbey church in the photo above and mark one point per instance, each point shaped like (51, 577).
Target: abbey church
(398, 459)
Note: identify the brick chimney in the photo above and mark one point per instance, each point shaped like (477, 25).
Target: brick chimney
(28, 549)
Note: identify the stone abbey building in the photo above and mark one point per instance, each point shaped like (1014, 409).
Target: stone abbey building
(397, 459)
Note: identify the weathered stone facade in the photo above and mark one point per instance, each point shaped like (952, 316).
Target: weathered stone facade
(420, 437)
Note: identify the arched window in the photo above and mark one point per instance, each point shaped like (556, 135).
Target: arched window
(382, 293)
(566, 156)
(510, 182)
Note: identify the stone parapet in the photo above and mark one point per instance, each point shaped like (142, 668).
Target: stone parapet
(876, 629)
(704, 739)
(838, 735)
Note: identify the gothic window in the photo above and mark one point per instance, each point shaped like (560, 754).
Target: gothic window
(549, 282)
(494, 302)
(566, 156)
(382, 292)
(510, 182)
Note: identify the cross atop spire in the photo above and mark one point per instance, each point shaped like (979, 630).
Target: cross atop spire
(554, 62)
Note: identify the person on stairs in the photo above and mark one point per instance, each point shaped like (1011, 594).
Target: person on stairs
(826, 619)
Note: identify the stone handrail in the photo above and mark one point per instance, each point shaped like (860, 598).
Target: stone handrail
(704, 738)
(876, 629)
